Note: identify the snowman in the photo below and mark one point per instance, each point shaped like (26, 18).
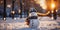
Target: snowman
(32, 20)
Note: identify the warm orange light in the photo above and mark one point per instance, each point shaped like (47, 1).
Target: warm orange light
(43, 13)
(52, 11)
(42, 3)
(52, 5)
(56, 10)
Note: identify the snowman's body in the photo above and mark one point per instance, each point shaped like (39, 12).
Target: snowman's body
(32, 20)
(34, 23)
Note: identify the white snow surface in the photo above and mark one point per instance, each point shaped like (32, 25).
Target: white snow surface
(20, 24)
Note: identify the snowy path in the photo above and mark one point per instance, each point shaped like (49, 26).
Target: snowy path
(17, 24)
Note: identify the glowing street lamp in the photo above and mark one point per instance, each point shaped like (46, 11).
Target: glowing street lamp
(13, 12)
(9, 5)
(4, 12)
(49, 5)
(19, 11)
(53, 10)
(53, 5)
(1, 1)
(4, 19)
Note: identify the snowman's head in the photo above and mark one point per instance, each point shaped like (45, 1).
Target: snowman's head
(32, 12)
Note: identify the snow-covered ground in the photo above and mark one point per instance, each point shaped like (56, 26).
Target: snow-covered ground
(20, 24)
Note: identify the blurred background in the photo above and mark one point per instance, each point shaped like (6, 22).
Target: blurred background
(22, 7)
